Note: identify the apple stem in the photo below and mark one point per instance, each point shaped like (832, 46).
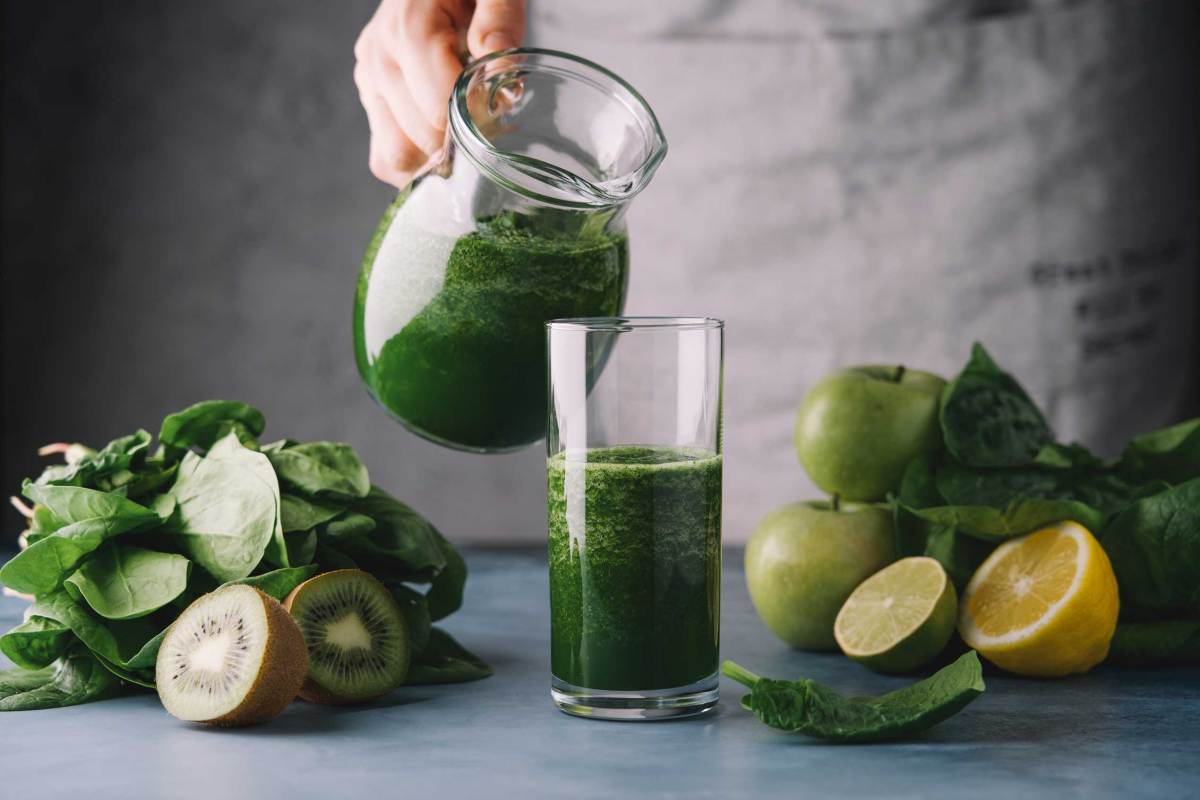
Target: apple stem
(898, 374)
(740, 674)
(835, 501)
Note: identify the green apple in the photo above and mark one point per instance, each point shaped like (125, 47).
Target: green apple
(858, 428)
(804, 560)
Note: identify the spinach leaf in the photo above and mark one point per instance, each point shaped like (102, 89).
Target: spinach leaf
(138, 677)
(1098, 488)
(403, 545)
(90, 518)
(278, 583)
(118, 456)
(416, 614)
(1021, 516)
(443, 660)
(1148, 643)
(202, 425)
(301, 514)
(329, 469)
(445, 595)
(918, 486)
(345, 527)
(301, 547)
(121, 582)
(807, 707)
(146, 655)
(1171, 455)
(36, 643)
(228, 509)
(959, 554)
(961, 537)
(75, 678)
(43, 523)
(987, 419)
(116, 641)
(1154, 546)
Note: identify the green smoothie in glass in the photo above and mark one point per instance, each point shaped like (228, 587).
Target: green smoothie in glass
(635, 567)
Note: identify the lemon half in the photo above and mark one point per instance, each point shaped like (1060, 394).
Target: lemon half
(1044, 604)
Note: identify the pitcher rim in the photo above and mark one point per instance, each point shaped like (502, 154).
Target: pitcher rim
(614, 191)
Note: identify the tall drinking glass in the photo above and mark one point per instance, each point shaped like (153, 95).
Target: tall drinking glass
(634, 480)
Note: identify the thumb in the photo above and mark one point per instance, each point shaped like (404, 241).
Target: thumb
(496, 25)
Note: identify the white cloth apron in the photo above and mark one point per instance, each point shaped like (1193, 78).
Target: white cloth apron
(863, 181)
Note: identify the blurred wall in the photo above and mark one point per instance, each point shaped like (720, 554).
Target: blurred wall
(186, 199)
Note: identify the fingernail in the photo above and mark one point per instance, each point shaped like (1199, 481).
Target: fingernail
(497, 41)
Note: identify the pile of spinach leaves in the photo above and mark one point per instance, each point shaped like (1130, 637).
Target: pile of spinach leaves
(120, 540)
(1000, 473)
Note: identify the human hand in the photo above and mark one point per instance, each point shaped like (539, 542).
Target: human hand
(408, 57)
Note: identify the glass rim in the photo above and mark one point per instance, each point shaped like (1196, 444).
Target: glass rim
(621, 324)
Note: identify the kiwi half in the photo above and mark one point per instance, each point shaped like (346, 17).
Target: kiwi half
(356, 635)
(233, 657)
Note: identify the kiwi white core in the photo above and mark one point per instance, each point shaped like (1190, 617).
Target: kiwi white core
(212, 654)
(348, 633)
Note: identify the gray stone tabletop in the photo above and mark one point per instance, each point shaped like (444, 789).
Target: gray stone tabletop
(1111, 733)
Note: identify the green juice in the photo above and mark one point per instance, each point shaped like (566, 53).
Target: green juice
(635, 567)
(449, 331)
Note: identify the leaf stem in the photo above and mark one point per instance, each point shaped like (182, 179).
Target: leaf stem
(740, 674)
(898, 374)
(24, 510)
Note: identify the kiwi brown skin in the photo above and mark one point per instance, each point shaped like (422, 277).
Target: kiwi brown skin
(310, 690)
(283, 670)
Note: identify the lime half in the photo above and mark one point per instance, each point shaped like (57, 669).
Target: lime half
(899, 618)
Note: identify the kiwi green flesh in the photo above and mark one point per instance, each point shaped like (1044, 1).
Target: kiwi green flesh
(233, 657)
(356, 635)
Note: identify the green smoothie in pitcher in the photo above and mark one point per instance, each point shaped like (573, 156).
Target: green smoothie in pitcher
(635, 566)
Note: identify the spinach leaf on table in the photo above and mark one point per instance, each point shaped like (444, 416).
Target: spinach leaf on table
(228, 509)
(1154, 546)
(444, 660)
(987, 419)
(1148, 643)
(807, 707)
(90, 518)
(322, 469)
(122, 582)
(1171, 455)
(37, 642)
(202, 425)
(75, 678)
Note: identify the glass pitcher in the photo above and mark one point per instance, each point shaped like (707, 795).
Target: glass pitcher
(520, 220)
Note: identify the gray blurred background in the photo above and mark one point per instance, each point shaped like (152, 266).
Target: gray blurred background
(186, 200)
